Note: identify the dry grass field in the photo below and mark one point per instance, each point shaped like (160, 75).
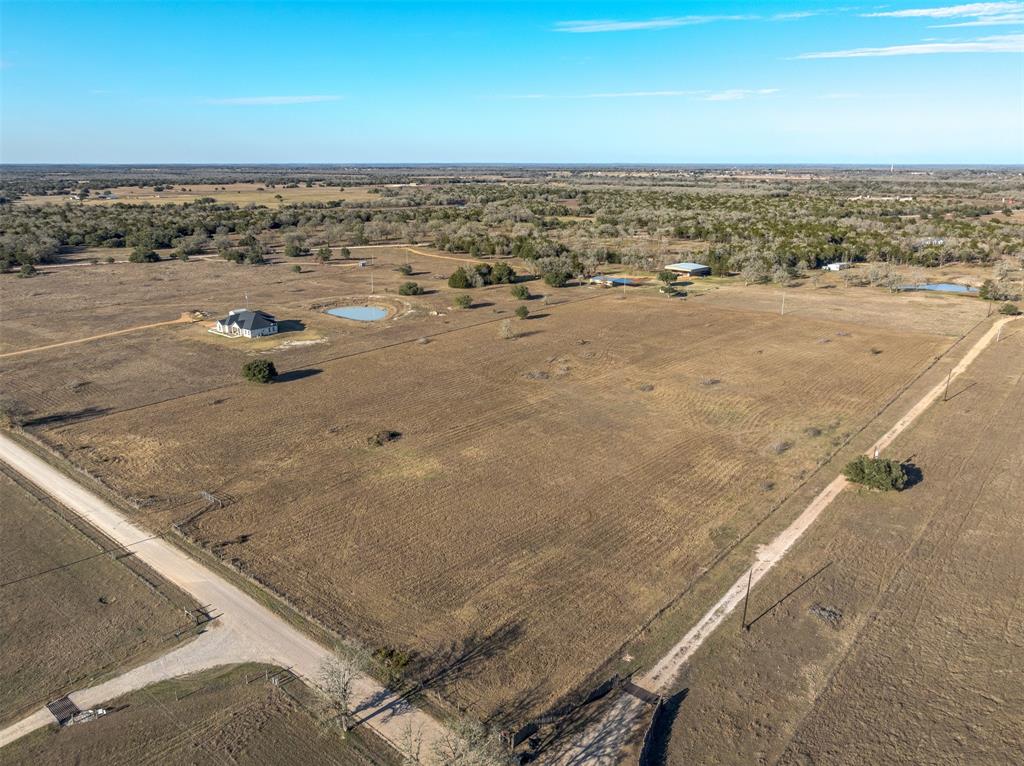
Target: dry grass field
(61, 628)
(215, 717)
(239, 194)
(922, 657)
(547, 494)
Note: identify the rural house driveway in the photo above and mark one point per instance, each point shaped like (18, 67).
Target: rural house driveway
(248, 631)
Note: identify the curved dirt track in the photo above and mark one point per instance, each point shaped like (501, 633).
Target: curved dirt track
(248, 631)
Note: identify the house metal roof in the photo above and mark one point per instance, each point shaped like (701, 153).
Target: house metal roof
(687, 266)
(249, 320)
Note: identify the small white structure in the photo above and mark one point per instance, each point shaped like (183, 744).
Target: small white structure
(837, 266)
(246, 323)
(689, 269)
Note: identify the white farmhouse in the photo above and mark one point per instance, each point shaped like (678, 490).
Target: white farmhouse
(837, 266)
(248, 324)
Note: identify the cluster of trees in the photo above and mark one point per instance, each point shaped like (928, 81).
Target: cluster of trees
(481, 274)
(877, 473)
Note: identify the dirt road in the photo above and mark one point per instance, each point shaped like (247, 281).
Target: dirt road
(442, 257)
(183, 319)
(602, 742)
(247, 631)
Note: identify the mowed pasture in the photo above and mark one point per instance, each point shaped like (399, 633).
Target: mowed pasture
(547, 495)
(61, 627)
(921, 657)
(226, 715)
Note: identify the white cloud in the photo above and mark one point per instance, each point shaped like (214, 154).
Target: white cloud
(706, 95)
(977, 14)
(644, 94)
(793, 15)
(270, 100)
(994, 44)
(612, 25)
(968, 10)
(735, 94)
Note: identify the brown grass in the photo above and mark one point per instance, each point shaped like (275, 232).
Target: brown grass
(923, 666)
(57, 633)
(531, 523)
(213, 717)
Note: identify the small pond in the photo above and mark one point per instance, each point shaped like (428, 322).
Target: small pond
(942, 287)
(359, 313)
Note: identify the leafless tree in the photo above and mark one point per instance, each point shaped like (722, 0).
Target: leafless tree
(337, 677)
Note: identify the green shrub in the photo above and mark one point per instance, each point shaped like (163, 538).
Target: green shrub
(297, 268)
(463, 301)
(502, 274)
(27, 270)
(666, 276)
(392, 663)
(876, 473)
(1009, 309)
(143, 254)
(323, 254)
(405, 268)
(522, 312)
(410, 288)
(557, 278)
(521, 292)
(259, 371)
(460, 279)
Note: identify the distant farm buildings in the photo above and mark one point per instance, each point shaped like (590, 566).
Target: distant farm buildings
(612, 281)
(837, 266)
(689, 269)
(246, 323)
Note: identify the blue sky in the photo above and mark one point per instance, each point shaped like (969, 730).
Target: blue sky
(924, 81)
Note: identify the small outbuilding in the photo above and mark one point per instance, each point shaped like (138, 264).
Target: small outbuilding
(689, 269)
(246, 323)
(837, 266)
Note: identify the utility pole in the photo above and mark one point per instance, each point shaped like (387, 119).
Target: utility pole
(746, 598)
(371, 275)
(945, 394)
(783, 312)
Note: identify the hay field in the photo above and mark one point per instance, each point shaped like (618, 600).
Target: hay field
(924, 664)
(213, 717)
(61, 629)
(547, 494)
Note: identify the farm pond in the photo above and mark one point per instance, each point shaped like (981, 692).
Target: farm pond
(942, 287)
(359, 313)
